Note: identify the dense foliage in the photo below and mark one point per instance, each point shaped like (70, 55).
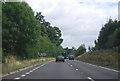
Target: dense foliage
(109, 35)
(76, 52)
(25, 35)
(81, 50)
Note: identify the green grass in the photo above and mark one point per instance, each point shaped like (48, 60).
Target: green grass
(12, 64)
(106, 58)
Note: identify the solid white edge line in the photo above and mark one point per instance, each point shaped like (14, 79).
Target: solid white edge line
(32, 70)
(98, 66)
(21, 70)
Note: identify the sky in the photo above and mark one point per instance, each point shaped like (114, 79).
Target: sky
(79, 20)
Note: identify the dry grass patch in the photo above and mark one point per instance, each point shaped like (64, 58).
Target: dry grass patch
(12, 64)
(106, 58)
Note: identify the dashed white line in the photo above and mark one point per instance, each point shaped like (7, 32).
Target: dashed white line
(17, 78)
(76, 69)
(31, 71)
(27, 73)
(23, 75)
(90, 78)
(36, 68)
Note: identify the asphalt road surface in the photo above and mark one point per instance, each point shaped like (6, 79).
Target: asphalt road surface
(70, 69)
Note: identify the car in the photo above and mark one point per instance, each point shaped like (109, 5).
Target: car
(71, 57)
(60, 58)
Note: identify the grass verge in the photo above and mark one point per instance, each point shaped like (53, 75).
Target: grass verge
(12, 64)
(105, 58)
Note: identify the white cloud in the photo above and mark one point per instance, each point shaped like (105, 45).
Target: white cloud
(79, 20)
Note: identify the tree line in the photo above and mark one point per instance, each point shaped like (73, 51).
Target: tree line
(76, 52)
(109, 36)
(26, 35)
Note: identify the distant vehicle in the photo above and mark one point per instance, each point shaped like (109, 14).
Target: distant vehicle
(71, 57)
(60, 58)
(65, 55)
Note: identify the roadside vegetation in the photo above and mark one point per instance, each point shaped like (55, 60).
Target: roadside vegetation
(106, 51)
(25, 35)
(12, 63)
(106, 58)
(76, 52)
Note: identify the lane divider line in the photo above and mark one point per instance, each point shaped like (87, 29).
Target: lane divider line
(17, 78)
(90, 78)
(27, 73)
(76, 69)
(23, 75)
(31, 71)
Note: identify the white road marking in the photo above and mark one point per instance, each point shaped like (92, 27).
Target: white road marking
(23, 75)
(103, 67)
(36, 68)
(76, 69)
(27, 73)
(98, 66)
(31, 71)
(90, 78)
(17, 78)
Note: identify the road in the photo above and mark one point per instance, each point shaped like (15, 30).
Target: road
(65, 70)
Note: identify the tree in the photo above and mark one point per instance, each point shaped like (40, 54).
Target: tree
(26, 35)
(106, 34)
(89, 48)
(20, 29)
(81, 50)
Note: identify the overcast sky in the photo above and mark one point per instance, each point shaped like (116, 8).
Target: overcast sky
(79, 20)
